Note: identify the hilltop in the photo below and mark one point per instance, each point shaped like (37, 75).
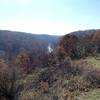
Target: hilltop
(81, 43)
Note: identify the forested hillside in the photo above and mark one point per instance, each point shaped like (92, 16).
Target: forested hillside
(71, 71)
(81, 43)
(12, 43)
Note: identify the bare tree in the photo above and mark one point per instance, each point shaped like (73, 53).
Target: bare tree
(8, 86)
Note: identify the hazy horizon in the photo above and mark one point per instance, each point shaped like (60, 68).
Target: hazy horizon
(53, 17)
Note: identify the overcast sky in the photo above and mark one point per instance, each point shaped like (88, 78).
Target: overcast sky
(49, 16)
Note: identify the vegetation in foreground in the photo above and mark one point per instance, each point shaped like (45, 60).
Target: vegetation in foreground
(67, 73)
(55, 79)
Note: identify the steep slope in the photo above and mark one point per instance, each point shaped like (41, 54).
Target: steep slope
(81, 43)
(96, 37)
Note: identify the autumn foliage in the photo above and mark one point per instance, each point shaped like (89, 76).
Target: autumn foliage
(58, 75)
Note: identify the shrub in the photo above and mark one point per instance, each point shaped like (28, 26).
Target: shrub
(93, 76)
(8, 87)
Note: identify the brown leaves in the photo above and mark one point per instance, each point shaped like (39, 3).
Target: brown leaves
(44, 86)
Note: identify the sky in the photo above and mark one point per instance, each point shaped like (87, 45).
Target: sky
(54, 17)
